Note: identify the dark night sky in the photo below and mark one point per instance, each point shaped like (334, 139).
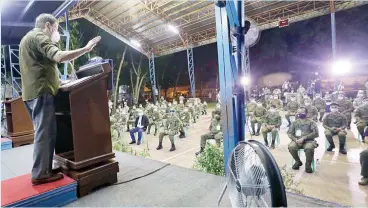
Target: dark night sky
(301, 47)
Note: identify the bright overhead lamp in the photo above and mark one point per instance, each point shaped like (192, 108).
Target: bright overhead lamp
(173, 29)
(341, 67)
(245, 81)
(135, 42)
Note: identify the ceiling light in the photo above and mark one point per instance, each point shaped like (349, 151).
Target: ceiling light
(135, 42)
(173, 29)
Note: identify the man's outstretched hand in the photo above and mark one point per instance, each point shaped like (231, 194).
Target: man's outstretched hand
(92, 43)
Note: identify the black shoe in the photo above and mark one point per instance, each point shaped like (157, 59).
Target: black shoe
(266, 144)
(330, 148)
(272, 146)
(308, 170)
(320, 119)
(155, 134)
(257, 134)
(200, 151)
(132, 142)
(172, 147)
(289, 125)
(253, 134)
(343, 151)
(148, 132)
(348, 127)
(296, 165)
(139, 143)
(159, 146)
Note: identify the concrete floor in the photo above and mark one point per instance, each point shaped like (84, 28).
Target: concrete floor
(336, 178)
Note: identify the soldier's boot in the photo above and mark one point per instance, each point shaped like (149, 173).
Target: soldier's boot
(172, 147)
(182, 134)
(321, 114)
(273, 143)
(155, 134)
(342, 149)
(266, 141)
(308, 166)
(149, 130)
(200, 151)
(348, 127)
(296, 157)
(258, 129)
(253, 132)
(159, 146)
(332, 144)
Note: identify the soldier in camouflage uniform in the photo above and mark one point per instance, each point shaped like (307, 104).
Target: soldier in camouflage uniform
(358, 101)
(276, 102)
(133, 114)
(251, 106)
(361, 115)
(172, 127)
(335, 124)
(163, 101)
(257, 118)
(204, 108)
(292, 108)
(192, 112)
(215, 133)
(302, 133)
(217, 110)
(320, 104)
(185, 119)
(154, 120)
(197, 109)
(345, 107)
(272, 123)
(312, 111)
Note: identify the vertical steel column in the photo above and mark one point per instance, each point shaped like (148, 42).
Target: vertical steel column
(191, 71)
(3, 74)
(333, 29)
(152, 73)
(14, 70)
(67, 36)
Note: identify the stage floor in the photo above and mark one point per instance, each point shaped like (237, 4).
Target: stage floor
(172, 186)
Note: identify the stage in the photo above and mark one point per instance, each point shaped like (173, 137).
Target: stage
(171, 186)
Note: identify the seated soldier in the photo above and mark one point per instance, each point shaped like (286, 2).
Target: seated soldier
(364, 167)
(272, 123)
(335, 124)
(204, 108)
(320, 104)
(302, 133)
(172, 127)
(292, 108)
(312, 111)
(215, 133)
(185, 119)
(257, 118)
(132, 116)
(251, 106)
(155, 120)
(361, 115)
(141, 123)
(217, 110)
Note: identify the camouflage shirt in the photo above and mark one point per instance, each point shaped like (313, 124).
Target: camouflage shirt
(251, 107)
(361, 113)
(259, 112)
(345, 106)
(276, 102)
(334, 120)
(184, 117)
(319, 103)
(292, 106)
(357, 102)
(312, 112)
(215, 126)
(173, 124)
(305, 128)
(273, 119)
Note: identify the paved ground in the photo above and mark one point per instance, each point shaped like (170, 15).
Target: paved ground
(336, 178)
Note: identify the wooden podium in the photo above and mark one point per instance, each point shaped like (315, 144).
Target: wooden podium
(19, 123)
(83, 145)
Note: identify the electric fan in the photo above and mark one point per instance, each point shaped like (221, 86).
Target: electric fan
(252, 32)
(253, 177)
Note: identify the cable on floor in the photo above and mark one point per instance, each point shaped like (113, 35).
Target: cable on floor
(147, 174)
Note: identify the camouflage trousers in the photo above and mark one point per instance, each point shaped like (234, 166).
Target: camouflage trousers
(255, 121)
(321, 111)
(266, 130)
(130, 122)
(308, 147)
(360, 126)
(217, 137)
(171, 135)
(182, 127)
(154, 123)
(341, 134)
(348, 118)
(288, 115)
(364, 163)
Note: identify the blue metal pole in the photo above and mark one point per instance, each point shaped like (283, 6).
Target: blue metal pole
(191, 71)
(333, 37)
(152, 73)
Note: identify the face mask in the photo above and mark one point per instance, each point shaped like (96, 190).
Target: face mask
(302, 116)
(275, 98)
(134, 107)
(259, 104)
(360, 95)
(272, 110)
(340, 98)
(292, 99)
(140, 114)
(328, 103)
(181, 102)
(333, 110)
(185, 110)
(252, 101)
(307, 104)
(318, 96)
(218, 106)
(55, 36)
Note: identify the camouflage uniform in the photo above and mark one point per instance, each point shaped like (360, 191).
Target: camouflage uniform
(346, 108)
(216, 111)
(185, 120)
(172, 127)
(180, 107)
(272, 123)
(292, 107)
(204, 108)
(133, 114)
(154, 120)
(320, 104)
(361, 115)
(215, 133)
(192, 113)
(308, 130)
(197, 110)
(357, 102)
(312, 112)
(275, 102)
(257, 118)
(250, 108)
(330, 123)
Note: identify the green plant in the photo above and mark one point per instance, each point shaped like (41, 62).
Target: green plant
(289, 182)
(211, 160)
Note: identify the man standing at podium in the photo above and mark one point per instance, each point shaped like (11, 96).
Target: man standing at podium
(38, 58)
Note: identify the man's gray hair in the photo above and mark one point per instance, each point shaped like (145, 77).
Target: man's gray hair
(43, 18)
